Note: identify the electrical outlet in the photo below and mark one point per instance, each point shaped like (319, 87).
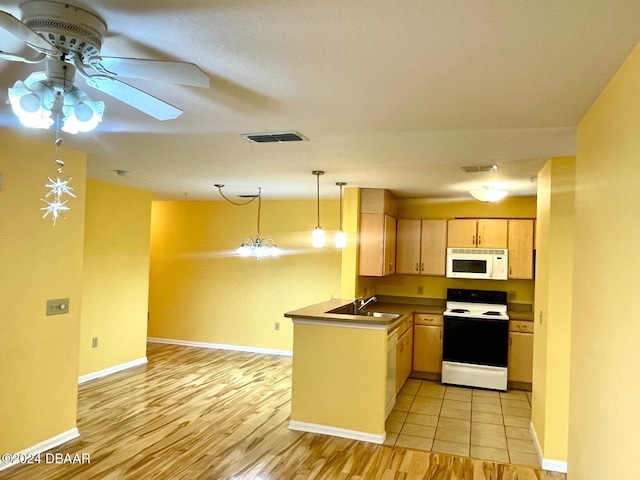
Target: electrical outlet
(94, 342)
(277, 326)
(57, 306)
(420, 290)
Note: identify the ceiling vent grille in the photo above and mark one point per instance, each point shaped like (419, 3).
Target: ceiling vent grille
(480, 168)
(274, 137)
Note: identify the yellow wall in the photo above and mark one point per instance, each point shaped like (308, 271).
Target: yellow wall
(520, 291)
(553, 294)
(201, 291)
(354, 363)
(38, 261)
(116, 276)
(605, 343)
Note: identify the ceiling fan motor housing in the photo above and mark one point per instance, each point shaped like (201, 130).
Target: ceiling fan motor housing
(71, 29)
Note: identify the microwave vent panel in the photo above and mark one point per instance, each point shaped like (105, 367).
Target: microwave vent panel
(479, 251)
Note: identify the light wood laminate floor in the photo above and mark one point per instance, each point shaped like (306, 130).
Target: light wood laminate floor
(195, 413)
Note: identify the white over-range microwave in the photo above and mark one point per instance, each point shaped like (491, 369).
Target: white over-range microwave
(483, 263)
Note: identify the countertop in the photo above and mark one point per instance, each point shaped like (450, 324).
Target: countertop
(320, 313)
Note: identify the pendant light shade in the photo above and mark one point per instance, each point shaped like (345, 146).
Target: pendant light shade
(341, 236)
(317, 238)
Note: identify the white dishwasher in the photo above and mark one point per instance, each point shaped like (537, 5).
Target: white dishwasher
(392, 341)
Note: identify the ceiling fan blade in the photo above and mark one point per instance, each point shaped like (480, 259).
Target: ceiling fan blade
(18, 29)
(143, 101)
(174, 72)
(14, 57)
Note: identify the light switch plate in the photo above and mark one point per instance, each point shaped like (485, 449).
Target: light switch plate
(57, 306)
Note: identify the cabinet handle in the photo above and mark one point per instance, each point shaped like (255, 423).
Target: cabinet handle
(422, 267)
(473, 241)
(417, 267)
(479, 239)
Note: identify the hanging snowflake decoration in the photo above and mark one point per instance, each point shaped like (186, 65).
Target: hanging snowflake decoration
(59, 187)
(54, 208)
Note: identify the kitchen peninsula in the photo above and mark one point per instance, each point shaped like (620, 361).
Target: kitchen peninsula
(341, 382)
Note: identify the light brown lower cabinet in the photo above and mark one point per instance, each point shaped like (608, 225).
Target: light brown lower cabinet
(427, 343)
(404, 357)
(520, 351)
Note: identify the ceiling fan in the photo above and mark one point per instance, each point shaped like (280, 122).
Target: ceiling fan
(68, 39)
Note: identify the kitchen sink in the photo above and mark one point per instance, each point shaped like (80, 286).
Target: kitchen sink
(351, 309)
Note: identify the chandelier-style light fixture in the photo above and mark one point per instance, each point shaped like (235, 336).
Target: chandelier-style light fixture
(341, 236)
(317, 237)
(488, 194)
(259, 247)
(45, 98)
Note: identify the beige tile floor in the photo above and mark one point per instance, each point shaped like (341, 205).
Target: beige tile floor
(472, 422)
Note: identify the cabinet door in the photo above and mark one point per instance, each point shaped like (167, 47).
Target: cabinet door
(492, 233)
(461, 233)
(427, 349)
(408, 246)
(520, 244)
(433, 257)
(371, 244)
(520, 367)
(404, 358)
(389, 242)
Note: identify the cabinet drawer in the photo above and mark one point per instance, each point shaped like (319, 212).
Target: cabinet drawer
(521, 326)
(406, 324)
(427, 319)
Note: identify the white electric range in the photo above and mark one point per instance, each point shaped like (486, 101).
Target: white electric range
(475, 344)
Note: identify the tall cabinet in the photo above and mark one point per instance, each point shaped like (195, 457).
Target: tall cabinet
(521, 248)
(377, 256)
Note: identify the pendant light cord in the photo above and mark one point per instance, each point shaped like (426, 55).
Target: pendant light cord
(241, 204)
(318, 197)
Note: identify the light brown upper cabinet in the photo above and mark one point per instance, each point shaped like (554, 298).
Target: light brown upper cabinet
(480, 233)
(377, 244)
(421, 247)
(521, 249)
(377, 255)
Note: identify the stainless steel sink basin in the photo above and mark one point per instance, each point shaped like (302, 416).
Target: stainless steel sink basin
(351, 309)
(390, 316)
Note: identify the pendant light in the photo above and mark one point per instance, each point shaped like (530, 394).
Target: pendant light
(260, 247)
(317, 238)
(341, 237)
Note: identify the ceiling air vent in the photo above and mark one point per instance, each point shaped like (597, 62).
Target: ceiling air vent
(274, 137)
(480, 168)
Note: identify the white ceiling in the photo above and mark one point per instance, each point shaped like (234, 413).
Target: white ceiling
(391, 93)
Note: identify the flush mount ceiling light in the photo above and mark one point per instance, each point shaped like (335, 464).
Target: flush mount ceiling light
(258, 248)
(488, 194)
(341, 236)
(317, 237)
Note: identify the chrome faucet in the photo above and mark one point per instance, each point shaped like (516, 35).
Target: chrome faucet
(363, 303)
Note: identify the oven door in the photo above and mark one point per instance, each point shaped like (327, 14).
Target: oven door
(463, 265)
(477, 341)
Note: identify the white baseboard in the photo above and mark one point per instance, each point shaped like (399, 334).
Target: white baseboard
(219, 346)
(42, 447)
(110, 370)
(546, 463)
(336, 432)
